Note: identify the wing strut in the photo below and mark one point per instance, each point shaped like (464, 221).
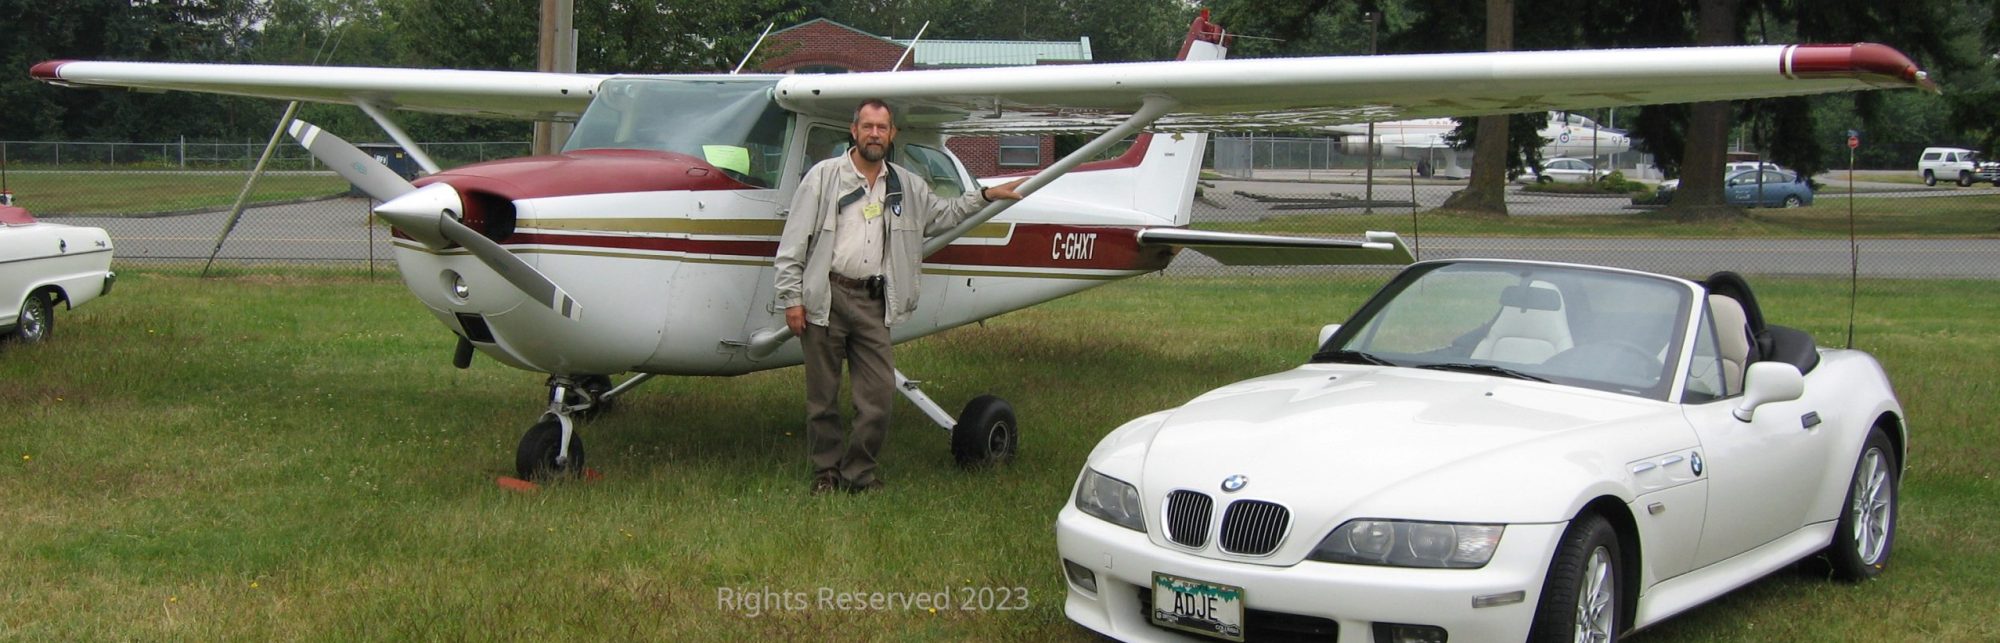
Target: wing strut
(396, 132)
(763, 342)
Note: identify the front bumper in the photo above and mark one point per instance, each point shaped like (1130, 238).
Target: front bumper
(1356, 597)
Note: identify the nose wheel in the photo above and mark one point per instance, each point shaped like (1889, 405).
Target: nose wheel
(541, 456)
(551, 449)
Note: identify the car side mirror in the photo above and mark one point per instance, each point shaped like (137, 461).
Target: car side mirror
(1767, 383)
(1325, 333)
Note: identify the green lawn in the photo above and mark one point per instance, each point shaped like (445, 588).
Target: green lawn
(142, 193)
(292, 456)
(1875, 217)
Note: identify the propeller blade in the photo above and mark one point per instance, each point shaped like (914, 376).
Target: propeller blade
(350, 162)
(512, 268)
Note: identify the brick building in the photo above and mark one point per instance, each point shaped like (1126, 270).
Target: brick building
(826, 47)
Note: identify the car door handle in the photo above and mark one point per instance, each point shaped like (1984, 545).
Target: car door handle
(1671, 461)
(1809, 420)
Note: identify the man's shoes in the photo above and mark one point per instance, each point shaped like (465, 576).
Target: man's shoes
(823, 485)
(865, 487)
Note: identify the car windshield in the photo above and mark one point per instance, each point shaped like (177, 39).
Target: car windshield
(1600, 329)
(733, 124)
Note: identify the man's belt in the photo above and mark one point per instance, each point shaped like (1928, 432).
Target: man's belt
(871, 284)
(850, 282)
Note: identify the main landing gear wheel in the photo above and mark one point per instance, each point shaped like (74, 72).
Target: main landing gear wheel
(986, 434)
(539, 457)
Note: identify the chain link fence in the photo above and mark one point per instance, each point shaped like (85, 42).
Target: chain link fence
(167, 206)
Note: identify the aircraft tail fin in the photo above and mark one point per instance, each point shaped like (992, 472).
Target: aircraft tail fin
(1156, 175)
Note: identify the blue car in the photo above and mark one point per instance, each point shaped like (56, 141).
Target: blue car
(1778, 189)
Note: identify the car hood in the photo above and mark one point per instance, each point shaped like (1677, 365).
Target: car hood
(1417, 443)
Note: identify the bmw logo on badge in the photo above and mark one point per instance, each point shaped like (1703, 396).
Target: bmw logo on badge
(1695, 463)
(1235, 483)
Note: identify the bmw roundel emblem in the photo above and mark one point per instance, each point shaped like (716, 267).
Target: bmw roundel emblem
(1235, 483)
(1694, 462)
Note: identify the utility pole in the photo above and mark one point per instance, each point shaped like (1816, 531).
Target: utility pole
(556, 53)
(1374, 18)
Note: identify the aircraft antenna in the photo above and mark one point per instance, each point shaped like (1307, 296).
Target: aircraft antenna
(753, 49)
(1853, 246)
(911, 50)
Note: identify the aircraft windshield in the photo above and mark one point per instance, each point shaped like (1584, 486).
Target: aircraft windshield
(733, 124)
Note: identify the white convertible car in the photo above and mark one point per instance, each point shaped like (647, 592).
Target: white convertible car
(1492, 451)
(44, 264)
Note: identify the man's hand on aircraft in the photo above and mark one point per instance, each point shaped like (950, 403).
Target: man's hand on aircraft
(1003, 191)
(795, 317)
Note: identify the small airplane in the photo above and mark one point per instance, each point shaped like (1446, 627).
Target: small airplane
(646, 245)
(1423, 140)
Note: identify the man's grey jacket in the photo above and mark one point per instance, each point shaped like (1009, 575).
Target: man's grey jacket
(913, 211)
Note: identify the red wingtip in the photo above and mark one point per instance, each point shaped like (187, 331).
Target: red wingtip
(48, 70)
(1867, 60)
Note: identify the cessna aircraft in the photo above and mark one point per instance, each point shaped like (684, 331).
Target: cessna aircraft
(1423, 140)
(645, 246)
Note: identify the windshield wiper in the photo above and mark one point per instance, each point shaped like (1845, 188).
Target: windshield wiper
(1349, 357)
(1483, 368)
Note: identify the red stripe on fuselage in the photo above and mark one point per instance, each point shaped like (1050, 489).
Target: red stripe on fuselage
(1032, 246)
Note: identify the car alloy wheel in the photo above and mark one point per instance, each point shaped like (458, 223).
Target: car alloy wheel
(1873, 503)
(36, 321)
(1595, 599)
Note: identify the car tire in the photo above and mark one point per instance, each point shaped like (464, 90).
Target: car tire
(1544, 180)
(986, 434)
(1579, 599)
(1866, 532)
(37, 320)
(1930, 179)
(1964, 179)
(535, 459)
(1793, 201)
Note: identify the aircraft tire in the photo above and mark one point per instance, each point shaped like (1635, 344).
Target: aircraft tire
(986, 434)
(535, 460)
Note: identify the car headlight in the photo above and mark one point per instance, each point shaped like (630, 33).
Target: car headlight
(1402, 543)
(1110, 499)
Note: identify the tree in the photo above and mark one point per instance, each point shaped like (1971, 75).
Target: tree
(1487, 191)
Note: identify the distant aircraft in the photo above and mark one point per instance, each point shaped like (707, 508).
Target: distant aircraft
(646, 245)
(1423, 141)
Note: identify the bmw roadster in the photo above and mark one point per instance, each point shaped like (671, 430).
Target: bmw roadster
(1492, 451)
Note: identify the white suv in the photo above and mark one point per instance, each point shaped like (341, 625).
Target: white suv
(1959, 164)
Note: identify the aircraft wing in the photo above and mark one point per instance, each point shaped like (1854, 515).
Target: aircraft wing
(496, 94)
(1274, 93)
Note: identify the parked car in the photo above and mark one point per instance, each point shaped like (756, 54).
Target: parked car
(45, 264)
(1729, 169)
(1563, 170)
(1961, 165)
(1753, 188)
(1493, 451)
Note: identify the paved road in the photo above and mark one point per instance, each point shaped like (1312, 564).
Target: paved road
(337, 230)
(1227, 200)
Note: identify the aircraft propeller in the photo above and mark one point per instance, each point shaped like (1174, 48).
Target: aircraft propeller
(429, 214)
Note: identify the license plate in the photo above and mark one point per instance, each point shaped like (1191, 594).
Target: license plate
(1197, 606)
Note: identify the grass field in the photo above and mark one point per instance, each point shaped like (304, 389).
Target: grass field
(1875, 217)
(292, 457)
(143, 193)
